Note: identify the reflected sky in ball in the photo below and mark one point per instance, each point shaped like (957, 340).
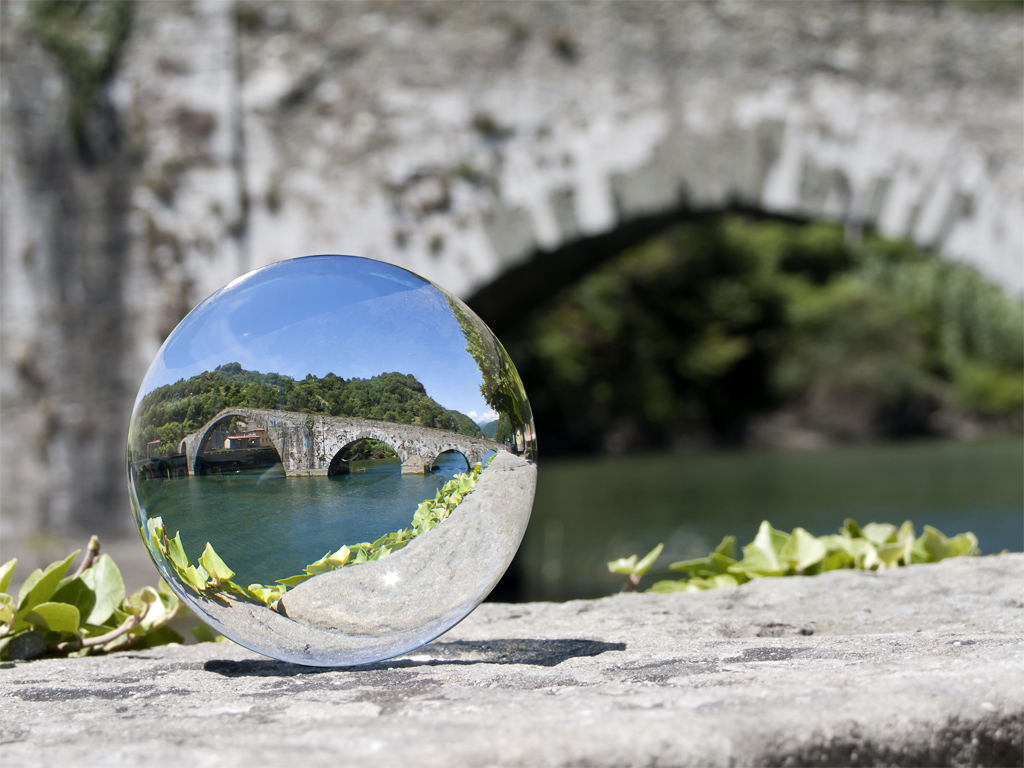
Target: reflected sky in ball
(349, 316)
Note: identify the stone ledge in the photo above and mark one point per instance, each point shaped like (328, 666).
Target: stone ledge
(919, 666)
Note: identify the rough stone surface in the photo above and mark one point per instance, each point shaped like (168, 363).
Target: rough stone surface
(460, 140)
(919, 666)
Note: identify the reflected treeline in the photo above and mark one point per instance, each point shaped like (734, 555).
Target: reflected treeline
(501, 387)
(171, 412)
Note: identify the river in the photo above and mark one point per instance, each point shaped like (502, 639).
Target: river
(592, 510)
(589, 511)
(266, 526)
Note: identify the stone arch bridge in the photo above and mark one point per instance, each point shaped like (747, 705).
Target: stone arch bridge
(307, 443)
(498, 149)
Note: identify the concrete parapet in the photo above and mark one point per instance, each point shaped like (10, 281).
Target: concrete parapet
(915, 666)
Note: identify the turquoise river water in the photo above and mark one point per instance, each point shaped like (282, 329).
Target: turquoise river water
(594, 510)
(267, 527)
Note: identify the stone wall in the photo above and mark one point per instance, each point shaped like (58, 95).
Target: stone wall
(470, 142)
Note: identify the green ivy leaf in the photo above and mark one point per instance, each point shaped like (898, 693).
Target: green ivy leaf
(104, 578)
(216, 568)
(964, 545)
(291, 581)
(77, 593)
(624, 565)
(648, 560)
(54, 617)
(891, 553)
(197, 577)
(935, 544)
(880, 533)
(40, 586)
(6, 608)
(176, 553)
(803, 550)
(6, 572)
(270, 595)
(851, 529)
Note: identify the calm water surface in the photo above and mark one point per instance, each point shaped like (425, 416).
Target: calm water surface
(267, 527)
(590, 511)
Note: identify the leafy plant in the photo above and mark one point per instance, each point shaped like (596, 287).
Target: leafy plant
(876, 546)
(211, 576)
(87, 612)
(633, 569)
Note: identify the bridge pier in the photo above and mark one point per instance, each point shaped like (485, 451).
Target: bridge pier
(415, 464)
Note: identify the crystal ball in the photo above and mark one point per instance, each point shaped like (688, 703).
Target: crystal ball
(331, 460)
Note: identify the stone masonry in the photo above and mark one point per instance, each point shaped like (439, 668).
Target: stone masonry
(465, 141)
(308, 443)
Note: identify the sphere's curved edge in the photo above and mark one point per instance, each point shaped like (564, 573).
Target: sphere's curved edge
(378, 610)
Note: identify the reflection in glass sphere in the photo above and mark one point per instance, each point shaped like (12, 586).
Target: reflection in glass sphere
(331, 460)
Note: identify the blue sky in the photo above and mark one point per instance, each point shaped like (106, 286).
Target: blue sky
(354, 317)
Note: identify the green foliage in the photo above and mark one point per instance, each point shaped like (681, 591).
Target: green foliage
(87, 612)
(212, 577)
(172, 411)
(502, 388)
(876, 546)
(634, 569)
(716, 322)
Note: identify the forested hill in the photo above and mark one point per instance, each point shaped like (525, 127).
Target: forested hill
(170, 412)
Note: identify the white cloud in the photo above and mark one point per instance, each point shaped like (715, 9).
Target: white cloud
(484, 418)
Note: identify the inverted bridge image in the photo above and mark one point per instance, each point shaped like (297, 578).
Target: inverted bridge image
(307, 443)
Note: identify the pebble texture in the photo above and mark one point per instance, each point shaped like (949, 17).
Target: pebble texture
(920, 666)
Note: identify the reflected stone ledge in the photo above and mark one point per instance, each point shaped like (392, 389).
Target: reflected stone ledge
(378, 609)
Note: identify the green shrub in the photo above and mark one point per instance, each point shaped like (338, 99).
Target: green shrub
(876, 546)
(87, 612)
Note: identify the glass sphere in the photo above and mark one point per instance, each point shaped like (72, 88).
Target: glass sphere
(332, 460)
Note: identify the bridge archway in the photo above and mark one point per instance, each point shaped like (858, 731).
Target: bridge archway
(451, 460)
(223, 448)
(339, 463)
(195, 443)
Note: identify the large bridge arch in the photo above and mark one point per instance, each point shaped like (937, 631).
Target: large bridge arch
(506, 149)
(194, 442)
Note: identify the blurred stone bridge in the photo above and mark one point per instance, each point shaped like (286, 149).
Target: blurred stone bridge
(308, 443)
(498, 149)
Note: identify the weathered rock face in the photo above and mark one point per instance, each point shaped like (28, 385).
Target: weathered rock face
(914, 666)
(498, 149)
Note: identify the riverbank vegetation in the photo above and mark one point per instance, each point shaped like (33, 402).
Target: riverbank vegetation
(172, 411)
(874, 547)
(85, 613)
(89, 613)
(211, 576)
(733, 331)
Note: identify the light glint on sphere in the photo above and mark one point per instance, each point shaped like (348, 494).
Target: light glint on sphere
(332, 460)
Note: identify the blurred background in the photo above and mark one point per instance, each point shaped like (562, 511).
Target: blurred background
(752, 260)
